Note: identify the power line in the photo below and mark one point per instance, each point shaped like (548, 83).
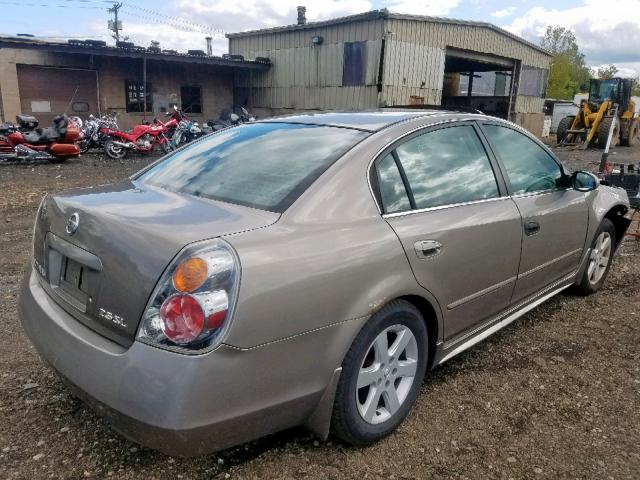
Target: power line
(45, 5)
(184, 28)
(199, 26)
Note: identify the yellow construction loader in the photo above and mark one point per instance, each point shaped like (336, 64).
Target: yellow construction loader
(595, 117)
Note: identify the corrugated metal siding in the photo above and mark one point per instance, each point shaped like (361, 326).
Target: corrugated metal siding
(525, 104)
(412, 70)
(306, 77)
(439, 36)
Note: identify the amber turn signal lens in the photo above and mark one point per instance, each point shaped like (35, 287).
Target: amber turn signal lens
(190, 275)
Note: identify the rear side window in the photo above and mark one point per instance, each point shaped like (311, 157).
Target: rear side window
(447, 166)
(529, 167)
(260, 165)
(392, 192)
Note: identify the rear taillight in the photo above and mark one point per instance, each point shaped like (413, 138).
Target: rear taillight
(192, 305)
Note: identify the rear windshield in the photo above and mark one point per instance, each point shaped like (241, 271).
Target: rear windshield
(260, 165)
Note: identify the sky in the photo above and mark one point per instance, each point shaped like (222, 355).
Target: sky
(608, 31)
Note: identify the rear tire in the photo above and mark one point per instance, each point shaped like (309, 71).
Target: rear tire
(600, 259)
(563, 126)
(114, 151)
(630, 134)
(381, 375)
(603, 133)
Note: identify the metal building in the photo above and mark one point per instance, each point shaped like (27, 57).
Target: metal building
(378, 59)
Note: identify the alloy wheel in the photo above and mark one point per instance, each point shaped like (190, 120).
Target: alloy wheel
(600, 258)
(387, 374)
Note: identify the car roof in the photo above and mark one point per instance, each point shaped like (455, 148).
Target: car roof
(369, 120)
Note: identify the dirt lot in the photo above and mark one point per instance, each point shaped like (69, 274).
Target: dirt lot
(555, 395)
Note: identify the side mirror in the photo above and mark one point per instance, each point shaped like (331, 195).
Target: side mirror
(584, 181)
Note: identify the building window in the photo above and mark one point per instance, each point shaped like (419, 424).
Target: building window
(191, 99)
(135, 96)
(353, 71)
(533, 82)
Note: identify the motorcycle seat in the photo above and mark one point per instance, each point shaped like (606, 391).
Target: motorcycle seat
(49, 134)
(41, 135)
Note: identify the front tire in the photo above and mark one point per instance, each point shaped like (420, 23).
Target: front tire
(381, 375)
(561, 130)
(85, 145)
(600, 258)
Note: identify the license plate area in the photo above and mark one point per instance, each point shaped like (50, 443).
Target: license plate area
(72, 273)
(73, 279)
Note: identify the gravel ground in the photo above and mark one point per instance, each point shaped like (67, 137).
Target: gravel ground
(554, 395)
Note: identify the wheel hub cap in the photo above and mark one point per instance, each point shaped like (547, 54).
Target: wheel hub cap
(387, 373)
(599, 258)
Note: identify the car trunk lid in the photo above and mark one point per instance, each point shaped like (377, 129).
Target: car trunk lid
(104, 272)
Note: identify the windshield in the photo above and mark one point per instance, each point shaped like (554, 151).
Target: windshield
(602, 89)
(260, 165)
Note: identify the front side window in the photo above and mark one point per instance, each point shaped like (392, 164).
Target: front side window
(447, 166)
(260, 165)
(528, 166)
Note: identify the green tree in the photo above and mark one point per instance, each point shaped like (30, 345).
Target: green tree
(568, 72)
(606, 72)
(635, 87)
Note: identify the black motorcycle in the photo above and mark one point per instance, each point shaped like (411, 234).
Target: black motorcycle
(93, 135)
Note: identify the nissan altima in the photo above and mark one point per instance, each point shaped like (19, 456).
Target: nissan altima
(305, 270)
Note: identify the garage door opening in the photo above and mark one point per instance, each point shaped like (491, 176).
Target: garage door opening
(478, 81)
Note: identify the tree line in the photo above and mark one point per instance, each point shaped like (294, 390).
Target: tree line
(569, 73)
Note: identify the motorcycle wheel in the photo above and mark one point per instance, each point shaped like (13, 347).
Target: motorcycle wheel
(85, 145)
(115, 151)
(166, 146)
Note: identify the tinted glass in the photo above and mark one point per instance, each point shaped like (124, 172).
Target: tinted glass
(529, 167)
(394, 195)
(261, 165)
(447, 166)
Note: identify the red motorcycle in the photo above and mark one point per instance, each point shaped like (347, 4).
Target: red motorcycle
(142, 139)
(26, 142)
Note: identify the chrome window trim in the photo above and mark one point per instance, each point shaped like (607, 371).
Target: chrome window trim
(470, 118)
(541, 192)
(443, 207)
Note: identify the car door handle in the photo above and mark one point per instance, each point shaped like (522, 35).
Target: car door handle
(427, 248)
(531, 228)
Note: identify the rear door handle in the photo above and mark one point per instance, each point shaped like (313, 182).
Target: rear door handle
(427, 248)
(531, 228)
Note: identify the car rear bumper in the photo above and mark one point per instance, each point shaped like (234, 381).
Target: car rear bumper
(186, 404)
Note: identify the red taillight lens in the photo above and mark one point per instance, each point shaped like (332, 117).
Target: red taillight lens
(190, 310)
(182, 317)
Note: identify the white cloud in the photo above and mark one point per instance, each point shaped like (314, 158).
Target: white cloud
(505, 12)
(429, 7)
(239, 15)
(606, 30)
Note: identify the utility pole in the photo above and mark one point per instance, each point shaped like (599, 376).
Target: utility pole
(115, 25)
